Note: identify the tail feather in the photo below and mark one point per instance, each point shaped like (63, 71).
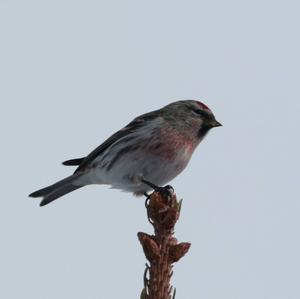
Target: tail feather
(56, 190)
(58, 193)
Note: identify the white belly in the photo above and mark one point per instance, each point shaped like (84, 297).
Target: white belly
(125, 173)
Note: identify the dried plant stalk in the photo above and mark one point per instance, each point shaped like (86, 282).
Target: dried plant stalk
(161, 249)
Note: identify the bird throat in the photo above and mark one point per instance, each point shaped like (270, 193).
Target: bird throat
(203, 131)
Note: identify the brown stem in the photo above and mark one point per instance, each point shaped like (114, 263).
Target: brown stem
(161, 249)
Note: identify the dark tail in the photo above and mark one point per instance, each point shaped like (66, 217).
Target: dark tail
(56, 190)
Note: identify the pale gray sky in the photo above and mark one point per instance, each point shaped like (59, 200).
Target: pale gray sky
(74, 72)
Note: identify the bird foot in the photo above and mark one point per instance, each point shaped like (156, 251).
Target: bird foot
(166, 191)
(166, 195)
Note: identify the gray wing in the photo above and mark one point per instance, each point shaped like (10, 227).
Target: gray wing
(130, 128)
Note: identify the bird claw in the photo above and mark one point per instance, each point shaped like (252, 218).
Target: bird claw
(166, 191)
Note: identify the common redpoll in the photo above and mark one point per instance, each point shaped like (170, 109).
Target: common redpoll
(151, 150)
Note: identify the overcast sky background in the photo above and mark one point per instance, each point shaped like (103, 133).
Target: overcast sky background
(74, 72)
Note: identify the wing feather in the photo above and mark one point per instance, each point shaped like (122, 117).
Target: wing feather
(73, 162)
(127, 130)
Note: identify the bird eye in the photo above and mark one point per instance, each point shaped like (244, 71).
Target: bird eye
(199, 112)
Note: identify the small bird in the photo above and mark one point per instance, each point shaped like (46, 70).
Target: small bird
(150, 151)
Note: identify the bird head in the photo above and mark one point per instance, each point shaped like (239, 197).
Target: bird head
(191, 115)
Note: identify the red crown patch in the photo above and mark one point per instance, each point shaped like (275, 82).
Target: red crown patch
(203, 106)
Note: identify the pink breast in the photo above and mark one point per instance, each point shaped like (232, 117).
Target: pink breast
(174, 146)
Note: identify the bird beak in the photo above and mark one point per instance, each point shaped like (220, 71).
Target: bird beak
(215, 123)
